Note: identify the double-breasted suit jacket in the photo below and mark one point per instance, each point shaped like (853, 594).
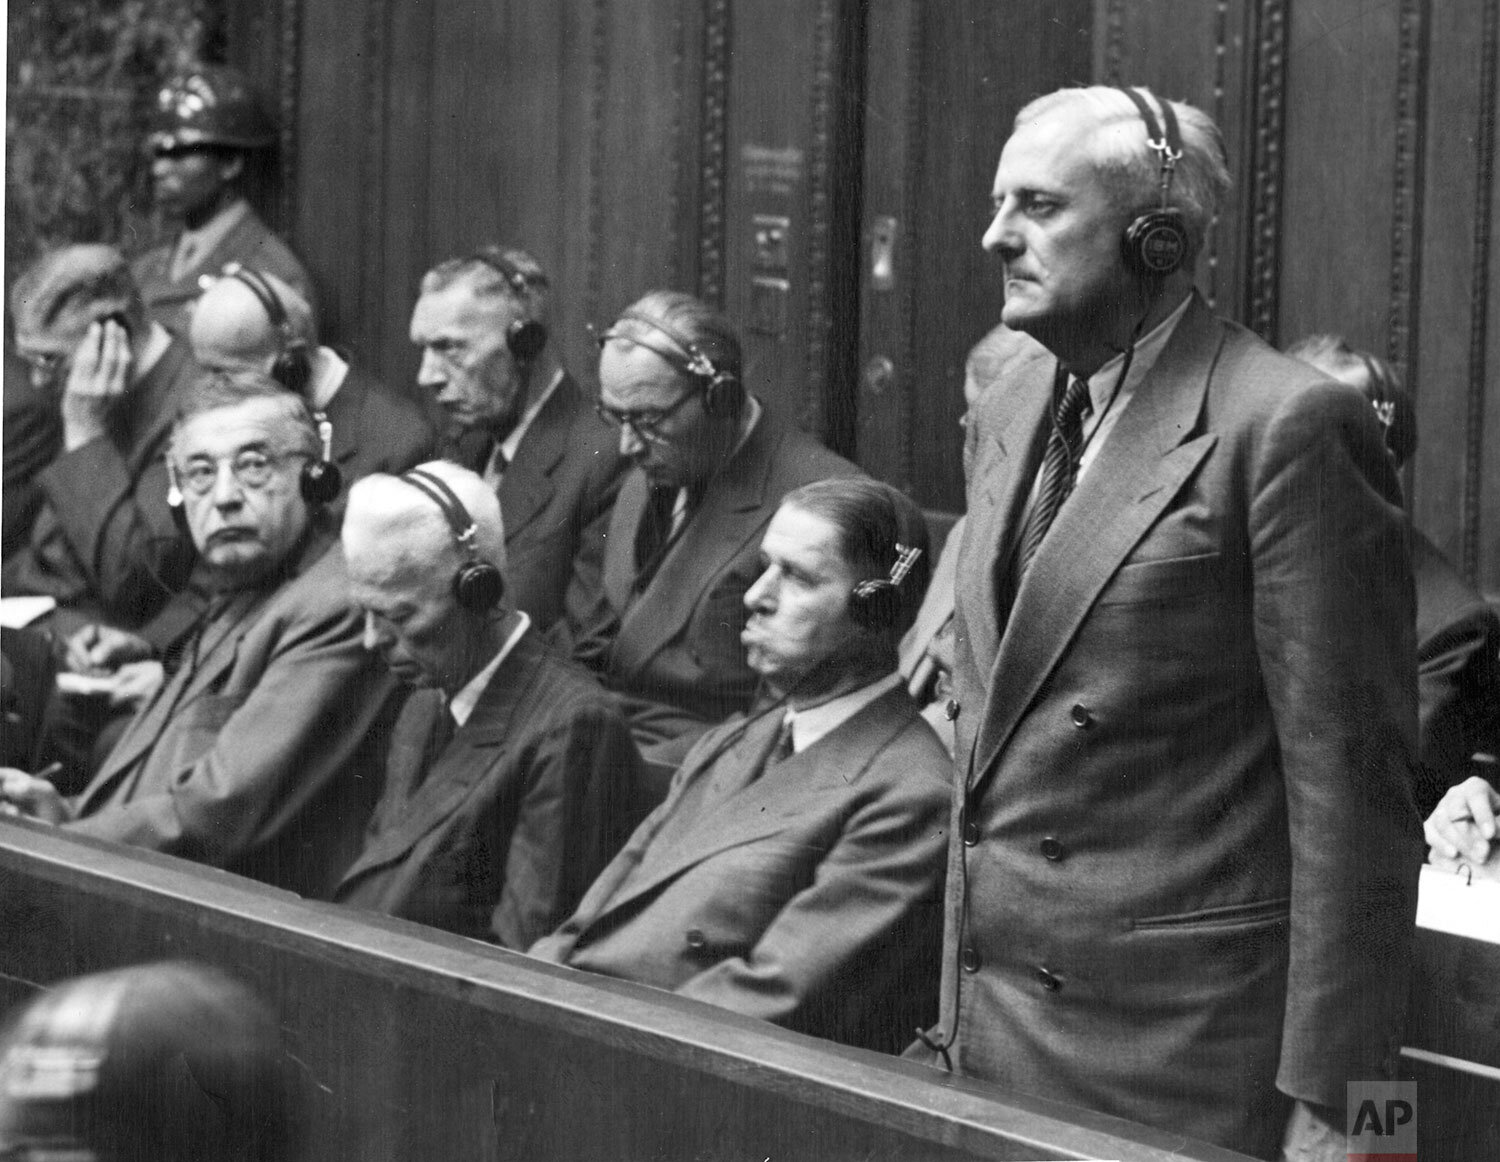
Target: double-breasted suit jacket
(262, 753)
(810, 897)
(104, 542)
(1184, 867)
(674, 648)
(515, 817)
(249, 242)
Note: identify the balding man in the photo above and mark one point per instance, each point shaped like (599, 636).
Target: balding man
(1182, 876)
(509, 766)
(250, 320)
(104, 543)
(518, 418)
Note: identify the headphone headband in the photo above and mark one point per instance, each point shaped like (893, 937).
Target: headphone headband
(477, 585)
(525, 337)
(1156, 243)
(1166, 143)
(266, 294)
(721, 387)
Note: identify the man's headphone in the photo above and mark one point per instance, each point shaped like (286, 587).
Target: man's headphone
(1155, 244)
(478, 585)
(524, 337)
(878, 604)
(293, 366)
(318, 483)
(722, 393)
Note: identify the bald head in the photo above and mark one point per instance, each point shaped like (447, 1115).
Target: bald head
(232, 327)
(403, 556)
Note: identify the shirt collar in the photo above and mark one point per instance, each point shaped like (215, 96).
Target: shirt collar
(1148, 348)
(462, 704)
(329, 372)
(211, 233)
(512, 442)
(813, 723)
(157, 342)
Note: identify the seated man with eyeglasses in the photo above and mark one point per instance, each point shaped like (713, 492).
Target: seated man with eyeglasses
(251, 756)
(710, 464)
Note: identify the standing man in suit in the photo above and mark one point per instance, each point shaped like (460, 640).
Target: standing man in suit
(518, 419)
(794, 871)
(255, 755)
(250, 320)
(1182, 878)
(710, 464)
(103, 542)
(209, 126)
(509, 768)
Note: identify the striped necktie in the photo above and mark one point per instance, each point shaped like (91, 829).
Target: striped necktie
(1059, 464)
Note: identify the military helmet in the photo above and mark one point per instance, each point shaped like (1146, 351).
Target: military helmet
(210, 105)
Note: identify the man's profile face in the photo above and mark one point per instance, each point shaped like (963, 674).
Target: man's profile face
(251, 516)
(466, 363)
(188, 179)
(1057, 230)
(680, 449)
(411, 616)
(799, 606)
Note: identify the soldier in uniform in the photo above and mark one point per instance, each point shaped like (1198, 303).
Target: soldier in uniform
(208, 129)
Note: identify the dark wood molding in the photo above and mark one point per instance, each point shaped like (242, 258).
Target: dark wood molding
(675, 244)
(826, 71)
(1406, 208)
(1267, 150)
(1114, 42)
(599, 64)
(908, 242)
(288, 80)
(1484, 201)
(1210, 262)
(372, 269)
(713, 165)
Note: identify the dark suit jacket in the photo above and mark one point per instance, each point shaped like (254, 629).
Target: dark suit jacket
(32, 437)
(259, 754)
(674, 650)
(1186, 843)
(1458, 673)
(250, 243)
(499, 839)
(810, 897)
(104, 542)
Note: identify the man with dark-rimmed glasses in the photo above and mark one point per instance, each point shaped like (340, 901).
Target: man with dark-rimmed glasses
(251, 755)
(710, 464)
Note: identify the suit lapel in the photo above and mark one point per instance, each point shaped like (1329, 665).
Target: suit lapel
(1003, 472)
(527, 485)
(345, 411)
(731, 512)
(1136, 475)
(785, 791)
(466, 759)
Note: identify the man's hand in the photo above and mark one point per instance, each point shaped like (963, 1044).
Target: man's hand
(23, 794)
(1462, 828)
(97, 379)
(1314, 1134)
(102, 649)
(136, 683)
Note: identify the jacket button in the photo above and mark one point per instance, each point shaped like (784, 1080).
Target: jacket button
(1082, 717)
(1053, 849)
(971, 834)
(1048, 980)
(969, 959)
(695, 938)
(950, 711)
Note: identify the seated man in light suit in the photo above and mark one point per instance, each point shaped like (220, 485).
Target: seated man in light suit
(509, 766)
(250, 320)
(255, 754)
(795, 870)
(710, 465)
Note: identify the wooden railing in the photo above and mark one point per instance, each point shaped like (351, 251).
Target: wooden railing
(418, 1045)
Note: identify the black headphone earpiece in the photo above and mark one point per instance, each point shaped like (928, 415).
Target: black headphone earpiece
(878, 604)
(321, 479)
(524, 337)
(1155, 243)
(722, 393)
(478, 585)
(293, 365)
